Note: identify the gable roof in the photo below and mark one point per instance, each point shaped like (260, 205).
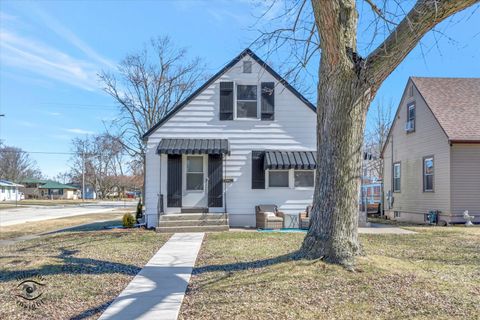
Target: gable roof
(455, 103)
(218, 75)
(56, 185)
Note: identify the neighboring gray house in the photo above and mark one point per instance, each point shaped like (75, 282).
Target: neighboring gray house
(433, 151)
(244, 138)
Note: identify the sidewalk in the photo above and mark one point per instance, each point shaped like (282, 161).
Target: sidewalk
(157, 290)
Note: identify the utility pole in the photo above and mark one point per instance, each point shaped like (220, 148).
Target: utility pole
(83, 176)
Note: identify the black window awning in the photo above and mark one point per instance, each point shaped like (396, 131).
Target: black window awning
(290, 160)
(193, 146)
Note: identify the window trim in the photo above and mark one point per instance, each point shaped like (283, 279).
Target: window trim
(424, 174)
(399, 163)
(258, 101)
(267, 182)
(303, 187)
(196, 172)
(414, 105)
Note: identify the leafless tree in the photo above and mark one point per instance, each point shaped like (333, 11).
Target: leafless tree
(101, 156)
(376, 135)
(16, 164)
(348, 80)
(147, 85)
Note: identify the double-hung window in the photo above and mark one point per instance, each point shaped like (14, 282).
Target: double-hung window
(411, 117)
(428, 172)
(304, 178)
(194, 173)
(246, 101)
(396, 177)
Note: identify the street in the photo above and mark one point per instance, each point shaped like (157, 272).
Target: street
(13, 216)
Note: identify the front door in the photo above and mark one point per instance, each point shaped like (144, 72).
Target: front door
(195, 181)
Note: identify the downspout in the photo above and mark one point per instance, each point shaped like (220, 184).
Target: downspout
(160, 197)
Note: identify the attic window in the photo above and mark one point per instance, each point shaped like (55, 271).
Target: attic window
(247, 66)
(410, 91)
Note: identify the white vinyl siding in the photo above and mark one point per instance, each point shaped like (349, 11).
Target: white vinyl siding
(293, 129)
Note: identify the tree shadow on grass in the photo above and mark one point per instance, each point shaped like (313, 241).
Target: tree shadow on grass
(73, 265)
(248, 265)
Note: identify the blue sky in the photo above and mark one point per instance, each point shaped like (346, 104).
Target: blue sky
(51, 51)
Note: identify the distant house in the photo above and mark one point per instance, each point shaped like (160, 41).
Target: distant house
(54, 190)
(9, 191)
(432, 154)
(90, 193)
(30, 187)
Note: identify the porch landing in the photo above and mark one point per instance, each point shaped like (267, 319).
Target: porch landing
(193, 222)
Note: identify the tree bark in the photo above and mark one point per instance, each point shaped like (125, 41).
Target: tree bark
(342, 103)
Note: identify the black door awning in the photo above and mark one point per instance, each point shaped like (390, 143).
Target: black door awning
(193, 146)
(290, 160)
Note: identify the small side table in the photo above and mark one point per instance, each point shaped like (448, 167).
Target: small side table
(292, 221)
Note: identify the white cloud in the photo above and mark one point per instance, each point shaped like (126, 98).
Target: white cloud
(79, 131)
(46, 61)
(55, 114)
(65, 33)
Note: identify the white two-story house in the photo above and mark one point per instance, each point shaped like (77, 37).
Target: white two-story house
(246, 137)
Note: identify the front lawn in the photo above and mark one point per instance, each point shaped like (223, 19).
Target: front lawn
(81, 272)
(36, 227)
(434, 274)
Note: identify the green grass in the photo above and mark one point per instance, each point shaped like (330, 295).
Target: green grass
(433, 274)
(82, 271)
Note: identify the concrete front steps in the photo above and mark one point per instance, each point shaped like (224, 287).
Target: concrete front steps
(193, 222)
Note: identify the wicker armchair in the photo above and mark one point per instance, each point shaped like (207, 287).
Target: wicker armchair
(264, 221)
(304, 218)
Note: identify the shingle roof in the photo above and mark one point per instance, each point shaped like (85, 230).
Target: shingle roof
(56, 185)
(455, 103)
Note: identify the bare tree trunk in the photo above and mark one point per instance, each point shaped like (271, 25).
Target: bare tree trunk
(342, 104)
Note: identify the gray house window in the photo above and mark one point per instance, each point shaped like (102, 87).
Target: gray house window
(194, 173)
(410, 125)
(278, 178)
(246, 101)
(428, 174)
(247, 66)
(397, 173)
(304, 178)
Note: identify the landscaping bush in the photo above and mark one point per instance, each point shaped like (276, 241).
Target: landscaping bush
(128, 220)
(139, 213)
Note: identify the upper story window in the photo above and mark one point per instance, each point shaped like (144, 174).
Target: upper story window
(246, 101)
(247, 66)
(410, 125)
(397, 173)
(428, 172)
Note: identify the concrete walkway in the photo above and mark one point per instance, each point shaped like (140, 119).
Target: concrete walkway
(157, 290)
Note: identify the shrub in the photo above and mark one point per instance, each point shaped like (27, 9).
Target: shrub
(139, 213)
(128, 220)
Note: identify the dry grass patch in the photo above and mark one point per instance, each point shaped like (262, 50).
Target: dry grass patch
(83, 271)
(434, 274)
(36, 227)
